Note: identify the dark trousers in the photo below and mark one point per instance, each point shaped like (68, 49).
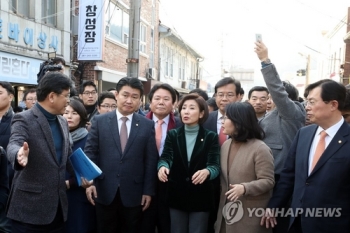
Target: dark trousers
(215, 208)
(57, 225)
(157, 216)
(116, 218)
(282, 222)
(296, 226)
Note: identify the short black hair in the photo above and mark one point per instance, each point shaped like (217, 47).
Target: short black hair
(111, 89)
(212, 103)
(201, 104)
(132, 82)
(17, 109)
(85, 84)
(244, 119)
(292, 91)
(330, 90)
(257, 88)
(57, 60)
(105, 95)
(52, 82)
(201, 93)
(8, 87)
(241, 92)
(79, 107)
(226, 81)
(164, 86)
(31, 90)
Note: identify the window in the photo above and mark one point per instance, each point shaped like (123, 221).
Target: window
(151, 55)
(167, 51)
(143, 33)
(22, 8)
(171, 59)
(48, 12)
(117, 23)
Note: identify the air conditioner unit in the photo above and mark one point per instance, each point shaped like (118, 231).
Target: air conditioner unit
(183, 84)
(152, 73)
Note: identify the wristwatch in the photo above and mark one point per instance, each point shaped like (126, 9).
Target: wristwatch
(267, 61)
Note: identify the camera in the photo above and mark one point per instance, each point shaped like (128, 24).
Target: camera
(46, 66)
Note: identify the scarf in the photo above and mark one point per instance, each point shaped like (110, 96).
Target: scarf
(78, 134)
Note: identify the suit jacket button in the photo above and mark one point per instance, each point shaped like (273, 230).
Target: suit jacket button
(306, 183)
(187, 179)
(121, 161)
(118, 175)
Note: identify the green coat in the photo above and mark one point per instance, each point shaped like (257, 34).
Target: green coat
(182, 193)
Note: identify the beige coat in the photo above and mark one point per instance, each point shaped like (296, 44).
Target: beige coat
(253, 167)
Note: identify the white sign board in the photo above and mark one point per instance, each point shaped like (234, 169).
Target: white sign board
(91, 30)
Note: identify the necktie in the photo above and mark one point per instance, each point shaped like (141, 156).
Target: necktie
(222, 136)
(321, 146)
(123, 133)
(159, 133)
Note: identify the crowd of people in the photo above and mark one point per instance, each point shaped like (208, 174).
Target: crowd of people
(186, 164)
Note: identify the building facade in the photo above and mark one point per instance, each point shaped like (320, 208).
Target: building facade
(179, 63)
(113, 67)
(29, 31)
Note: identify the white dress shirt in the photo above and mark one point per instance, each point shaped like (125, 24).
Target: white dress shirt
(120, 121)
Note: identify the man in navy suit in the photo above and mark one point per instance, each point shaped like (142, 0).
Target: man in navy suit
(226, 91)
(317, 180)
(127, 183)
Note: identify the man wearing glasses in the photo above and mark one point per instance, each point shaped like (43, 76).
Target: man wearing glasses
(29, 98)
(226, 91)
(106, 102)
(88, 94)
(38, 151)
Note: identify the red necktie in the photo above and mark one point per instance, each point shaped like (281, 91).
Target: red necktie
(321, 146)
(159, 133)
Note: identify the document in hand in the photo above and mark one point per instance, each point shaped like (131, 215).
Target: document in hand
(83, 166)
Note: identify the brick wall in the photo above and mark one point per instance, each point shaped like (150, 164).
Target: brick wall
(115, 55)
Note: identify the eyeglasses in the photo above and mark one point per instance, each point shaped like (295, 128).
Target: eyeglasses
(109, 106)
(88, 93)
(312, 102)
(222, 95)
(31, 99)
(65, 96)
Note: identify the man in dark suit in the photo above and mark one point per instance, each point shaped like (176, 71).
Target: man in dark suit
(316, 172)
(38, 151)
(226, 91)
(123, 145)
(162, 99)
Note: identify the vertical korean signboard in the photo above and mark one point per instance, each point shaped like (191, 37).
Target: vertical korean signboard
(91, 30)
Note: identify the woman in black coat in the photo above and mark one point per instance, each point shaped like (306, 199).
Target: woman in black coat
(189, 161)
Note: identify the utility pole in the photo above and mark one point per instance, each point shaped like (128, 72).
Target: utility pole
(134, 39)
(307, 75)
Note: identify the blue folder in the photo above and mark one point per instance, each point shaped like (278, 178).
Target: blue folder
(83, 166)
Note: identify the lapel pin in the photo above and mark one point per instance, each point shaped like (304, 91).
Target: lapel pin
(339, 141)
(202, 139)
(137, 124)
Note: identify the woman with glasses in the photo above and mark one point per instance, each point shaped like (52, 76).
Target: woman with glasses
(247, 172)
(81, 214)
(190, 159)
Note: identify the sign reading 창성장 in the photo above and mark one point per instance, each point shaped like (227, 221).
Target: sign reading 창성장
(91, 30)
